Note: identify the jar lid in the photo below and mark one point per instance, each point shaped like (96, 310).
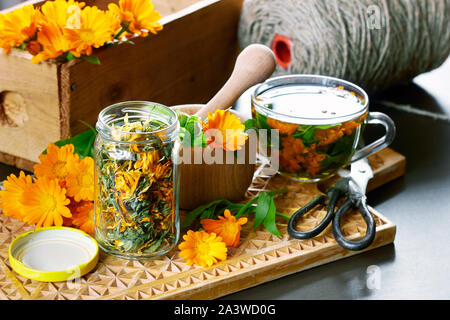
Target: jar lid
(53, 254)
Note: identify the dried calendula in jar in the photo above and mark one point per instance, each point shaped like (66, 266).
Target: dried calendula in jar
(136, 194)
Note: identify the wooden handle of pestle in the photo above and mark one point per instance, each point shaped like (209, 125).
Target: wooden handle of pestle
(253, 65)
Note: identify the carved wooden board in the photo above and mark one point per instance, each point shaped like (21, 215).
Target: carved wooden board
(259, 258)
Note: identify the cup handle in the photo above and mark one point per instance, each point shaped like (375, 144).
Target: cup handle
(383, 142)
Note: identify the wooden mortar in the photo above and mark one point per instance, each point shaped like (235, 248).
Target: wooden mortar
(203, 183)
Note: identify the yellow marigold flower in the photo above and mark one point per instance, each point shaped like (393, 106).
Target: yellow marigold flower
(225, 131)
(96, 28)
(83, 217)
(57, 163)
(227, 227)
(283, 127)
(137, 16)
(52, 41)
(80, 180)
(11, 198)
(18, 26)
(46, 203)
(202, 248)
(59, 11)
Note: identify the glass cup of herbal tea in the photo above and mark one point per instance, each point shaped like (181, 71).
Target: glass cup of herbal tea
(319, 120)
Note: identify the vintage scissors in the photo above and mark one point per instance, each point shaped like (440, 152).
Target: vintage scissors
(353, 189)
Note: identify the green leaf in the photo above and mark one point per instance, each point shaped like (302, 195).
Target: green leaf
(215, 208)
(70, 56)
(327, 126)
(192, 215)
(209, 212)
(23, 46)
(261, 122)
(91, 59)
(269, 220)
(308, 136)
(183, 119)
(245, 208)
(188, 125)
(306, 133)
(250, 124)
(83, 143)
(343, 145)
(262, 208)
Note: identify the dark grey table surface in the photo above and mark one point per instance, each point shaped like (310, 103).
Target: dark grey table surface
(417, 265)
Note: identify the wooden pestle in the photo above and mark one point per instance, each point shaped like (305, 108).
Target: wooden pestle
(253, 65)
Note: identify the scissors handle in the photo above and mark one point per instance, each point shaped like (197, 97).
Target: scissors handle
(368, 218)
(333, 196)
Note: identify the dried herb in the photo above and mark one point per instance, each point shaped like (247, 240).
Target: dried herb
(135, 202)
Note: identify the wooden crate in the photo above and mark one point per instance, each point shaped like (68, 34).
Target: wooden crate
(186, 62)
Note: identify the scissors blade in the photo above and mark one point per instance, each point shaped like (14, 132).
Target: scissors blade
(361, 172)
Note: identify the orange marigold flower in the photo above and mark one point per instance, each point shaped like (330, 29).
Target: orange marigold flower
(57, 163)
(11, 198)
(225, 131)
(349, 127)
(80, 180)
(202, 248)
(227, 227)
(46, 203)
(83, 217)
(18, 26)
(137, 16)
(328, 136)
(52, 41)
(96, 27)
(311, 160)
(294, 156)
(59, 11)
(283, 127)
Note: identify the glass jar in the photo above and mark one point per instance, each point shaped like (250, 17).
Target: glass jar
(136, 193)
(320, 121)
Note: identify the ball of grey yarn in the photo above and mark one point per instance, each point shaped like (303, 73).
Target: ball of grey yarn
(373, 43)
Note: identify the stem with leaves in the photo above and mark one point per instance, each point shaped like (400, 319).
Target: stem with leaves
(262, 207)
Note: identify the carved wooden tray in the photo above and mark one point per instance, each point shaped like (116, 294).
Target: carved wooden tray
(260, 257)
